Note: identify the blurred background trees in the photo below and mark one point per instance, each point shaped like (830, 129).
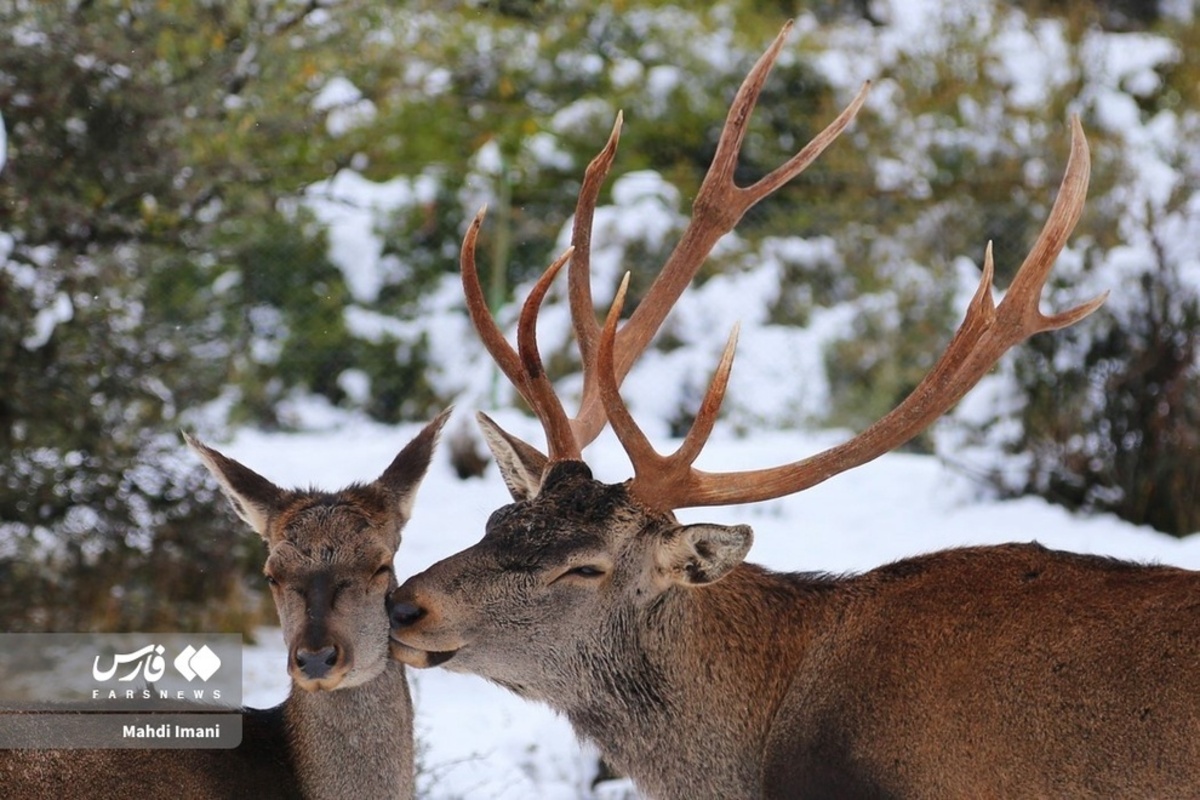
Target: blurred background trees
(241, 219)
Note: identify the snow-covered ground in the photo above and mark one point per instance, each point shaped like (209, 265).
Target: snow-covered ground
(478, 741)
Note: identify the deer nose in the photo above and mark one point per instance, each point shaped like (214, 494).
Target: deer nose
(405, 614)
(316, 664)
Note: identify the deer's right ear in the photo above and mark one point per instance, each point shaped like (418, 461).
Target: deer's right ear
(254, 498)
(697, 555)
(521, 465)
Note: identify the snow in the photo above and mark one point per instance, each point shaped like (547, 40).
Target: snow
(477, 740)
(47, 319)
(344, 105)
(354, 209)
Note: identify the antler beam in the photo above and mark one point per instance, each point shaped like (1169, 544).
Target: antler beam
(718, 207)
(985, 334)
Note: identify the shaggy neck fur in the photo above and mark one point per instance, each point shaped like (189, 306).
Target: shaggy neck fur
(354, 742)
(684, 705)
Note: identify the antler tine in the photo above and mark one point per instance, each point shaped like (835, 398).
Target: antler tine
(560, 439)
(481, 316)
(1026, 287)
(985, 334)
(734, 133)
(718, 207)
(710, 406)
(641, 453)
(583, 315)
(658, 480)
(523, 368)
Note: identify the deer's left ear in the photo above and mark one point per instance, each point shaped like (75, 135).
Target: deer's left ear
(402, 477)
(253, 497)
(696, 555)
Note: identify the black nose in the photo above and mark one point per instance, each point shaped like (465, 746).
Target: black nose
(316, 664)
(405, 614)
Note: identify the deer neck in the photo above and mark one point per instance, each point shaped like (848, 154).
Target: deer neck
(699, 687)
(354, 742)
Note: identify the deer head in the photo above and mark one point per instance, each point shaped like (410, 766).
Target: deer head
(593, 596)
(559, 579)
(329, 561)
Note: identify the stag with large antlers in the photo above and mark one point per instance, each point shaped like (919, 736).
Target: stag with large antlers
(1007, 671)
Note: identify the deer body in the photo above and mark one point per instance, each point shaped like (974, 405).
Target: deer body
(345, 729)
(259, 767)
(1002, 671)
(1009, 671)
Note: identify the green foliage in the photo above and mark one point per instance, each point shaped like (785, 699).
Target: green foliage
(1120, 431)
(285, 315)
(134, 143)
(1112, 422)
(94, 503)
(889, 351)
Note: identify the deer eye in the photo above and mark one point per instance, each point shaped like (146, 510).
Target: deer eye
(386, 569)
(585, 571)
(271, 581)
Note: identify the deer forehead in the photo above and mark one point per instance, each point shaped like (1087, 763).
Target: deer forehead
(331, 533)
(567, 516)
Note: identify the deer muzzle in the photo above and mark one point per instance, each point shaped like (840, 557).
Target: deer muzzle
(319, 668)
(408, 636)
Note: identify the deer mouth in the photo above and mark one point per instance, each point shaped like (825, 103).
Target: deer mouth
(418, 658)
(322, 685)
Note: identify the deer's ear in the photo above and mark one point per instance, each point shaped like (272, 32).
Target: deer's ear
(696, 555)
(253, 497)
(521, 465)
(403, 476)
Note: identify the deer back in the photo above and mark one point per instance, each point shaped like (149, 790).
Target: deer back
(1007, 671)
(260, 767)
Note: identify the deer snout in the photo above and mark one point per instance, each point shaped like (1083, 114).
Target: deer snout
(316, 665)
(405, 613)
(416, 644)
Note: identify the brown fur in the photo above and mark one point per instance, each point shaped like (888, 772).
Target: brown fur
(343, 732)
(1009, 671)
(259, 768)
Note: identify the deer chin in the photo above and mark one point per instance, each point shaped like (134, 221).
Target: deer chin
(415, 657)
(326, 684)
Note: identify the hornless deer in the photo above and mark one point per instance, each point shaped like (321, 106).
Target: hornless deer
(1009, 671)
(345, 729)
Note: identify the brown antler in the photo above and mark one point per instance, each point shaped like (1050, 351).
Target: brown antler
(523, 366)
(718, 207)
(987, 332)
